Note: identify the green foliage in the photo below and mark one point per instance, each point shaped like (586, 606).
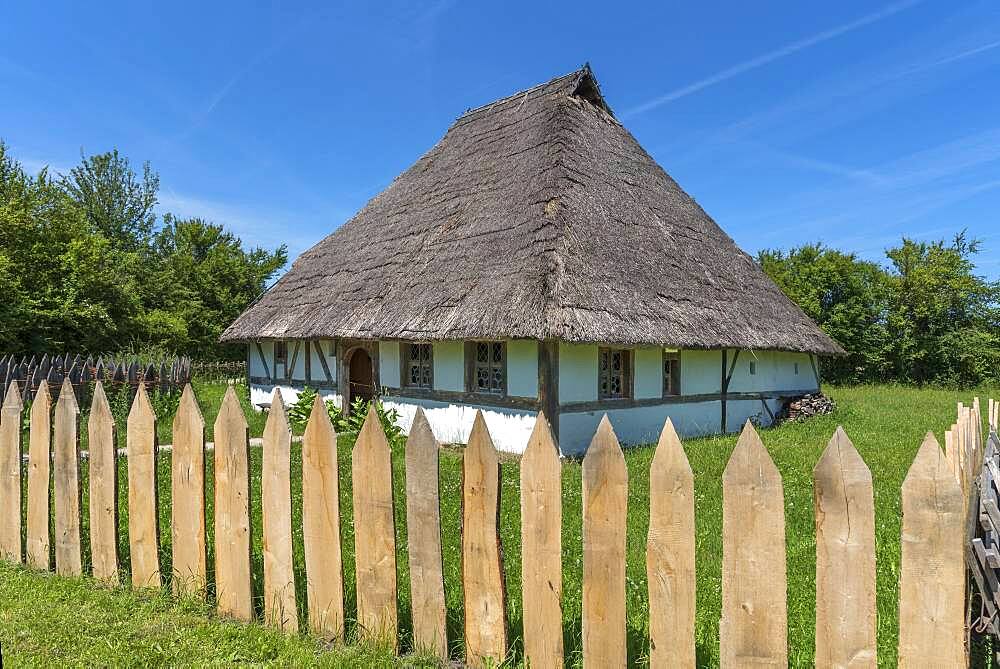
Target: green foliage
(85, 265)
(298, 415)
(924, 318)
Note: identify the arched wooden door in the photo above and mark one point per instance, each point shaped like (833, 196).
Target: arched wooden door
(360, 377)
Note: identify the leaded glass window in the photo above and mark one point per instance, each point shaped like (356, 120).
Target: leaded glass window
(490, 367)
(671, 373)
(419, 368)
(614, 371)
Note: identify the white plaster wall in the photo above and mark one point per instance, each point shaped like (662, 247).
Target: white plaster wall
(639, 425)
(452, 423)
(775, 371)
(577, 372)
(648, 373)
(701, 372)
(320, 350)
(522, 368)
(449, 365)
(299, 370)
(739, 411)
(289, 394)
(388, 364)
(256, 365)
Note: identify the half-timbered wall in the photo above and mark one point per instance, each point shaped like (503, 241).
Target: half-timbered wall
(450, 410)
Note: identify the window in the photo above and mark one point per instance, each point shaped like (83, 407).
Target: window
(418, 368)
(614, 372)
(671, 373)
(280, 354)
(490, 367)
(753, 368)
(796, 368)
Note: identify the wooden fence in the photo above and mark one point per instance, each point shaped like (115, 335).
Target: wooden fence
(82, 372)
(753, 627)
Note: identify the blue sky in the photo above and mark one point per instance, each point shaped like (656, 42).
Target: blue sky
(850, 123)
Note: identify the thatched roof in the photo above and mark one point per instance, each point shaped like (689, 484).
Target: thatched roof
(537, 216)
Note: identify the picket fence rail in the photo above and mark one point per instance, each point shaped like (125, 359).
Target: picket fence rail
(753, 627)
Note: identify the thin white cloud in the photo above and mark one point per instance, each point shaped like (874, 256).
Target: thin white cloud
(770, 57)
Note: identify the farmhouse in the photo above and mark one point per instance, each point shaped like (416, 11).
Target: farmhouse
(536, 258)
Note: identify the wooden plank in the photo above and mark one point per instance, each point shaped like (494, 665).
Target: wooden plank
(280, 610)
(290, 367)
(753, 630)
(844, 510)
(10, 475)
(232, 510)
(548, 383)
(950, 451)
(39, 447)
(423, 531)
(187, 494)
(66, 483)
(263, 361)
(321, 354)
(374, 533)
(605, 503)
(541, 547)
(103, 477)
(932, 570)
(321, 525)
(482, 560)
(143, 516)
(670, 554)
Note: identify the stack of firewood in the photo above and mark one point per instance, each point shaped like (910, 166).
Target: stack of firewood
(807, 406)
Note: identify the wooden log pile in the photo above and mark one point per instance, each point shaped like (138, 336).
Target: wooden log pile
(807, 406)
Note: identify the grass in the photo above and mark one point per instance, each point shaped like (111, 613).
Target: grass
(45, 619)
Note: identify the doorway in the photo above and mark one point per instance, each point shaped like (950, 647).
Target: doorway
(360, 378)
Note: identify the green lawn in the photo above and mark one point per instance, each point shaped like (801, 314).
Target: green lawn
(46, 619)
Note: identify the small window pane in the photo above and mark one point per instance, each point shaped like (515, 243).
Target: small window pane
(614, 374)
(419, 366)
(671, 373)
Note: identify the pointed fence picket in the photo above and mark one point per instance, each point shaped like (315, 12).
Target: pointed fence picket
(187, 496)
(423, 532)
(276, 502)
(321, 525)
(103, 489)
(232, 511)
(39, 450)
(753, 629)
(605, 502)
(374, 533)
(844, 507)
(10, 476)
(541, 547)
(670, 554)
(932, 572)
(482, 561)
(66, 481)
(143, 518)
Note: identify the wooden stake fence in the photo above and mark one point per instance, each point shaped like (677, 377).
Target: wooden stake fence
(753, 628)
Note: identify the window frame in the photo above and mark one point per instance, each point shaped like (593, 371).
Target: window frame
(473, 366)
(284, 358)
(406, 363)
(671, 381)
(752, 367)
(627, 373)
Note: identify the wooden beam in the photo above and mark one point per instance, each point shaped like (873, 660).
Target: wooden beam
(322, 361)
(724, 386)
(732, 368)
(815, 366)
(458, 397)
(627, 403)
(308, 362)
(263, 361)
(548, 383)
(290, 367)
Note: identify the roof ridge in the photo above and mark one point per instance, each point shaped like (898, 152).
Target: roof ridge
(496, 103)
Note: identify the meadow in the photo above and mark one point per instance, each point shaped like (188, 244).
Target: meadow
(47, 619)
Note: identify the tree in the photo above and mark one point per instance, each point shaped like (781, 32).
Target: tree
(115, 202)
(846, 297)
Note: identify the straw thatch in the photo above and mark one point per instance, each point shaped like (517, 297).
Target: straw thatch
(538, 216)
